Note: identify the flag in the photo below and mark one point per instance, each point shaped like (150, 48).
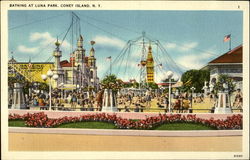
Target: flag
(227, 38)
(108, 58)
(160, 65)
(30, 64)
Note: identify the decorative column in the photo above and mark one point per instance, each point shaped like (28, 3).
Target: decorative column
(109, 101)
(57, 67)
(18, 97)
(223, 105)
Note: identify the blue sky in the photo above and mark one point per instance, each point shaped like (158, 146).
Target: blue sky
(191, 38)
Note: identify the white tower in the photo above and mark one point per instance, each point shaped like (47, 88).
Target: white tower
(79, 53)
(57, 67)
(93, 69)
(80, 63)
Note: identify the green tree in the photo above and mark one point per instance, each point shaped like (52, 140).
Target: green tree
(223, 78)
(43, 86)
(194, 78)
(26, 84)
(111, 82)
(152, 85)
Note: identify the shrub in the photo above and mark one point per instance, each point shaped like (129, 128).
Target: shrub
(41, 120)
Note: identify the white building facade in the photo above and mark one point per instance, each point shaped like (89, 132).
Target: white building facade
(229, 64)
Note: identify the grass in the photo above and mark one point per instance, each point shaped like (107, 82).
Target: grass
(90, 125)
(183, 126)
(17, 123)
(105, 125)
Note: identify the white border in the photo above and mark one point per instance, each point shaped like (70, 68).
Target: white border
(126, 5)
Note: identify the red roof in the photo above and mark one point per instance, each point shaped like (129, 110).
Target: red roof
(163, 84)
(233, 56)
(65, 63)
(86, 59)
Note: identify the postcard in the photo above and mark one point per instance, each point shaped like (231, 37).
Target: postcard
(124, 80)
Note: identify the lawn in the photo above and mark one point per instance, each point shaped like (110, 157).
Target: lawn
(183, 126)
(90, 125)
(104, 125)
(17, 123)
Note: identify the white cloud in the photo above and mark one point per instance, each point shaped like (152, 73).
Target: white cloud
(170, 45)
(183, 47)
(194, 61)
(109, 41)
(45, 38)
(24, 49)
(188, 46)
(38, 36)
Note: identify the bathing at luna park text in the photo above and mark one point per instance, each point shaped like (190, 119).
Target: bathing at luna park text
(55, 5)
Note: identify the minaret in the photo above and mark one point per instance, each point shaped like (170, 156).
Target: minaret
(150, 65)
(57, 67)
(92, 65)
(79, 53)
(57, 54)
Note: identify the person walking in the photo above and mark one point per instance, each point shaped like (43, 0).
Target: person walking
(74, 101)
(166, 101)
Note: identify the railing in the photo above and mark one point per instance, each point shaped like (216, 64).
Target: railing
(131, 109)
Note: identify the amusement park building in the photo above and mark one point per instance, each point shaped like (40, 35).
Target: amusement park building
(230, 64)
(80, 71)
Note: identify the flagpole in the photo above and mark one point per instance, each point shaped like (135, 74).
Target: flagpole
(230, 42)
(110, 65)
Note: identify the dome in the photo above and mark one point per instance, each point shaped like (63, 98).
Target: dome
(80, 38)
(12, 60)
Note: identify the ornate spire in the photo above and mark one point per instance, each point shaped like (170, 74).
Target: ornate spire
(92, 50)
(57, 43)
(80, 38)
(80, 42)
(149, 47)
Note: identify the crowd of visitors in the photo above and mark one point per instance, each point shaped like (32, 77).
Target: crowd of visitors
(129, 101)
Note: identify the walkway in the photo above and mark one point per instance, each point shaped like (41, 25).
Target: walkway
(62, 142)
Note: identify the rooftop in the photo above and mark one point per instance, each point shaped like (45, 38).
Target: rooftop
(233, 56)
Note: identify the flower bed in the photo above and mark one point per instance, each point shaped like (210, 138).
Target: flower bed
(41, 120)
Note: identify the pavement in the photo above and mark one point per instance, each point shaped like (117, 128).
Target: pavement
(72, 142)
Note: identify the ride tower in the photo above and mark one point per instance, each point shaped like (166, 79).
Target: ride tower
(150, 65)
(154, 62)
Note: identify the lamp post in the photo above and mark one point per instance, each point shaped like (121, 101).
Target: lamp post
(176, 78)
(169, 76)
(49, 75)
(77, 88)
(61, 85)
(192, 88)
